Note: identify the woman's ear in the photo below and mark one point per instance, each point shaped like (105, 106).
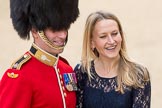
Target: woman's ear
(92, 45)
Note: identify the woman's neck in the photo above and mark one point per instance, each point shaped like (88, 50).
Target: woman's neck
(107, 67)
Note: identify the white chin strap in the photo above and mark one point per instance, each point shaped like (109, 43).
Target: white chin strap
(49, 43)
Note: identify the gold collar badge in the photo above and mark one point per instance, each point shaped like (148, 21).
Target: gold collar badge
(43, 56)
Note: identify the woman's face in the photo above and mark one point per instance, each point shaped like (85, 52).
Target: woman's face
(106, 38)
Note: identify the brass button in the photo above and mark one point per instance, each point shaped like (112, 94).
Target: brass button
(63, 88)
(60, 76)
(15, 65)
(65, 94)
(58, 70)
(25, 55)
(61, 82)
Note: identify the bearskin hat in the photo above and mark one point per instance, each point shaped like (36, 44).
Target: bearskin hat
(42, 14)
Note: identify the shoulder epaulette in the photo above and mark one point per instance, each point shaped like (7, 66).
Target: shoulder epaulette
(23, 59)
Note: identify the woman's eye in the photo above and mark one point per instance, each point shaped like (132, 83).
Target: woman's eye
(103, 36)
(114, 34)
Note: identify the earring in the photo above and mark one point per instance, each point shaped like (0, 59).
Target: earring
(95, 52)
(92, 49)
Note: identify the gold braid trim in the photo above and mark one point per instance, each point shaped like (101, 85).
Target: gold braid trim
(46, 40)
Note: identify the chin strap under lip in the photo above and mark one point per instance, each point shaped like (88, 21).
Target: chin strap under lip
(49, 43)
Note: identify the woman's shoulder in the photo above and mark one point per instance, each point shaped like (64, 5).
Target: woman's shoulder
(140, 67)
(142, 71)
(79, 69)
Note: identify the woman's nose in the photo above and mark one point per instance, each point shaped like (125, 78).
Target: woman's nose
(110, 40)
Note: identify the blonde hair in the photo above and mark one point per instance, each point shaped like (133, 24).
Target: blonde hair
(130, 73)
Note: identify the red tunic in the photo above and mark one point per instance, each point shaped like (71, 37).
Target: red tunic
(36, 86)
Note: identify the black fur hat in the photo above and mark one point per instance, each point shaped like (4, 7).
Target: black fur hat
(42, 14)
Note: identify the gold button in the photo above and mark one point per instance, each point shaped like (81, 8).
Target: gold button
(60, 76)
(58, 70)
(65, 94)
(61, 82)
(15, 65)
(63, 88)
(25, 55)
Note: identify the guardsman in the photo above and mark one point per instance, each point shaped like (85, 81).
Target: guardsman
(41, 78)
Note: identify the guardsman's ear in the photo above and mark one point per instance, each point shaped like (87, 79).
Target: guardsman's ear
(34, 33)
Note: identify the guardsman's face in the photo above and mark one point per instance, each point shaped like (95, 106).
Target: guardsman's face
(57, 38)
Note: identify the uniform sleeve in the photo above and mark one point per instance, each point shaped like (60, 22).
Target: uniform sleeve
(80, 84)
(15, 92)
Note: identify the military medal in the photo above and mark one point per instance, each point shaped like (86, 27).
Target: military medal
(70, 81)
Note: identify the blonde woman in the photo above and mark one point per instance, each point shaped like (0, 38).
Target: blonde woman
(107, 78)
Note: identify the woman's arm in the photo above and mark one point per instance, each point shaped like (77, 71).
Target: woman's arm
(142, 96)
